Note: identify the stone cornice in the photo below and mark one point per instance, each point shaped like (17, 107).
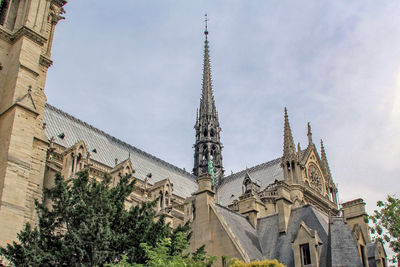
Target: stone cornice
(32, 35)
(319, 199)
(42, 140)
(29, 70)
(45, 61)
(207, 191)
(23, 31)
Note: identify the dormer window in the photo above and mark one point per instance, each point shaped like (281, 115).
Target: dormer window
(305, 254)
(305, 247)
(363, 256)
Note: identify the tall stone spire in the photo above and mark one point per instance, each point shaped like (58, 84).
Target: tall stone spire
(288, 143)
(208, 143)
(207, 103)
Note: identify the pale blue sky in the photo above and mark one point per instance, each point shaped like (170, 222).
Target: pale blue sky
(133, 69)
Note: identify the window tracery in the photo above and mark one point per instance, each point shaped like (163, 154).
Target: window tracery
(315, 176)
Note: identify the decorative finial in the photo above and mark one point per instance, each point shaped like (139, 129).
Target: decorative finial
(29, 88)
(309, 134)
(289, 148)
(206, 24)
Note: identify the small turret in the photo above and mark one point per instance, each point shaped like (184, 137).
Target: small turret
(288, 143)
(309, 134)
(324, 160)
(290, 158)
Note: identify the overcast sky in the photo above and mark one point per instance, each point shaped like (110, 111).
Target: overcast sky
(133, 69)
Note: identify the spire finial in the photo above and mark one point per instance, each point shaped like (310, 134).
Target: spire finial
(206, 25)
(323, 153)
(309, 133)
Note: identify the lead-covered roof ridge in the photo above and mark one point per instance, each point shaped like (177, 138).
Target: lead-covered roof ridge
(156, 159)
(251, 169)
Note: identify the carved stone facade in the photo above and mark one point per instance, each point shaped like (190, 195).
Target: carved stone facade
(26, 32)
(285, 209)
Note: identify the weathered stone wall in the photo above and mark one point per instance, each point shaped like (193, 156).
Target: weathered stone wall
(25, 40)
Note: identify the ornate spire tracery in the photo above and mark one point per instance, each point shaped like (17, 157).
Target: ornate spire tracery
(207, 103)
(290, 158)
(324, 160)
(288, 143)
(208, 145)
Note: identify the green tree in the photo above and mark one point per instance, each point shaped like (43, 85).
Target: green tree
(85, 223)
(170, 252)
(386, 227)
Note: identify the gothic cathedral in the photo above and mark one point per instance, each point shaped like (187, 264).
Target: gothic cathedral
(284, 208)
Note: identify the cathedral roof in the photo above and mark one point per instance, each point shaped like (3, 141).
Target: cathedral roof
(342, 244)
(263, 174)
(279, 246)
(338, 245)
(67, 130)
(241, 228)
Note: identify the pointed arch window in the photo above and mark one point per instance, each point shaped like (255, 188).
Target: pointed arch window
(73, 163)
(305, 254)
(3, 11)
(9, 10)
(161, 200)
(212, 133)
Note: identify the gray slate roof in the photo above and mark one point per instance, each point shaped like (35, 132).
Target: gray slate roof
(243, 230)
(110, 148)
(264, 174)
(265, 242)
(343, 246)
(279, 246)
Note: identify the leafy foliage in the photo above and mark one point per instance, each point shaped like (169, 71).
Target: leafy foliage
(169, 252)
(84, 222)
(264, 263)
(387, 224)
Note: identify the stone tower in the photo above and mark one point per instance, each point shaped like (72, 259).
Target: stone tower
(208, 144)
(26, 33)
